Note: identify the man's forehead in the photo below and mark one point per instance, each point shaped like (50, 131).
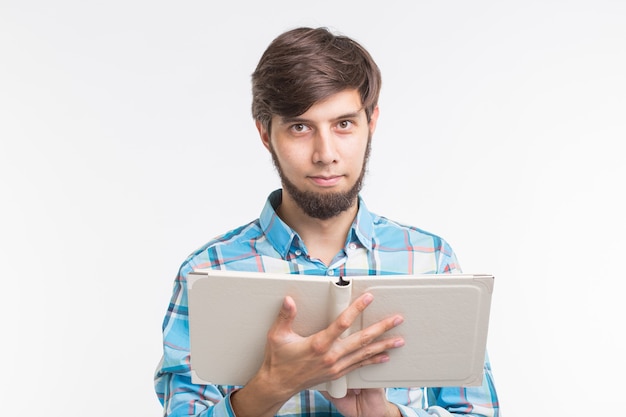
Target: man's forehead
(342, 105)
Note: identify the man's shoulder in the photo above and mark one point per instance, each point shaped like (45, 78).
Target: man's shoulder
(403, 248)
(233, 243)
(389, 233)
(392, 229)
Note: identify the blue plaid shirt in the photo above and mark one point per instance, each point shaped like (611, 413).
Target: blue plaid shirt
(374, 246)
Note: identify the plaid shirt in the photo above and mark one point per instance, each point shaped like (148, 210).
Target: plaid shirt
(374, 246)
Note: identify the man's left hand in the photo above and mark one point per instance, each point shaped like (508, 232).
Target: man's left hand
(365, 403)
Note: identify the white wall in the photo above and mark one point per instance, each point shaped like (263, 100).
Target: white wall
(126, 142)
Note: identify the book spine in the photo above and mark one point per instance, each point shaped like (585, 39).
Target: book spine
(340, 297)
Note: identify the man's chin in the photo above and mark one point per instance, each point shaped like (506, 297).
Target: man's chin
(326, 191)
(322, 204)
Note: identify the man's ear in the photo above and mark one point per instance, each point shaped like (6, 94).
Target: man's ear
(264, 134)
(374, 119)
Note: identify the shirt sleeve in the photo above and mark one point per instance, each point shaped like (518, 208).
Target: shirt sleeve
(451, 401)
(479, 401)
(172, 380)
(447, 262)
(180, 397)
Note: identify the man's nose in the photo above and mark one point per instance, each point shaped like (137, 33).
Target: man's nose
(324, 151)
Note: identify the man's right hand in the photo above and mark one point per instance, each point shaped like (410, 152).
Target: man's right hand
(293, 363)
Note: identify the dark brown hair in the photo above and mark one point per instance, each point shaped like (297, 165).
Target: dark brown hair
(303, 66)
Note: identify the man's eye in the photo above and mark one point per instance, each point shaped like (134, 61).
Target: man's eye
(345, 124)
(298, 127)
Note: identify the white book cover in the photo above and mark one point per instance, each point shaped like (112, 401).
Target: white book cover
(445, 326)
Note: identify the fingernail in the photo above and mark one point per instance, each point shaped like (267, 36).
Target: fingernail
(398, 321)
(398, 343)
(368, 298)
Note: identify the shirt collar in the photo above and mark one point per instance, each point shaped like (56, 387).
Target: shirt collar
(282, 237)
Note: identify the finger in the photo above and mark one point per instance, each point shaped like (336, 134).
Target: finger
(347, 317)
(352, 363)
(375, 353)
(371, 333)
(286, 316)
(367, 347)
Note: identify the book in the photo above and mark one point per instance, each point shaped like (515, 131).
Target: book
(446, 318)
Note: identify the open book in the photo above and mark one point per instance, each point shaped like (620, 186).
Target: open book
(445, 324)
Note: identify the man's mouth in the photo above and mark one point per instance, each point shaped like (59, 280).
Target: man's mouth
(326, 181)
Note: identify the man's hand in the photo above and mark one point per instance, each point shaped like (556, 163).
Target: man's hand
(293, 363)
(365, 403)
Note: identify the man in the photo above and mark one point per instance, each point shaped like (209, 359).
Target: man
(315, 100)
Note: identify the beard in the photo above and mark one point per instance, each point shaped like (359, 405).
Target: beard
(323, 206)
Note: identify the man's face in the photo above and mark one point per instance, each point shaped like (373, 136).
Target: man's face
(321, 155)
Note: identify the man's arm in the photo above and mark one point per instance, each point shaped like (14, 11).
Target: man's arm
(480, 401)
(293, 363)
(173, 386)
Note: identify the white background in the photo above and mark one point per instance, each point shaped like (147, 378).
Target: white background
(126, 142)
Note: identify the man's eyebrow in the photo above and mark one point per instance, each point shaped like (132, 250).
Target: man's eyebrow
(352, 115)
(298, 119)
(291, 120)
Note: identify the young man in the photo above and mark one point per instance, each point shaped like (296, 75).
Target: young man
(315, 100)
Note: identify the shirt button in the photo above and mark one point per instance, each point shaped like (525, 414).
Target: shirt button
(352, 246)
(298, 252)
(330, 272)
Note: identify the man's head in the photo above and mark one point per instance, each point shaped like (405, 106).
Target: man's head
(304, 66)
(315, 99)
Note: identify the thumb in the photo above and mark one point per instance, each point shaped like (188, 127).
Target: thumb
(286, 315)
(288, 310)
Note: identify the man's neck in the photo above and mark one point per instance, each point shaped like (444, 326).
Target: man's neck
(323, 238)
